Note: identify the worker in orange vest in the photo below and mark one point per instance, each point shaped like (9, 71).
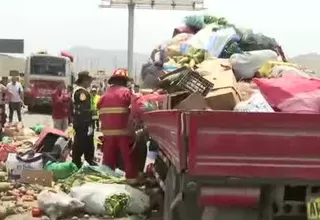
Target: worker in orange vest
(114, 112)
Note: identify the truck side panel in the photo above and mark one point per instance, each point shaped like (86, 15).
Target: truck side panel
(259, 145)
(165, 127)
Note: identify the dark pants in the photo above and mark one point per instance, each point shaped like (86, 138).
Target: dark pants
(15, 106)
(3, 114)
(83, 145)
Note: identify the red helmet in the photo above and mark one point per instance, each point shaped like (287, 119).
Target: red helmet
(120, 72)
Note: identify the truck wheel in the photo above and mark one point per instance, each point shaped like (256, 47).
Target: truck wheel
(265, 206)
(171, 191)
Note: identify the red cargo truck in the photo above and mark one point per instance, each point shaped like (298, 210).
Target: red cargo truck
(268, 163)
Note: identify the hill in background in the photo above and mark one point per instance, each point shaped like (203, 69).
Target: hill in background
(108, 60)
(97, 59)
(309, 60)
(88, 58)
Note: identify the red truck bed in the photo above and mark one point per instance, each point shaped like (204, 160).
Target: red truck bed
(244, 145)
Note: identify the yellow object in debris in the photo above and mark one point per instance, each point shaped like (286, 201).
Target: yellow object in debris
(97, 141)
(265, 69)
(313, 206)
(71, 133)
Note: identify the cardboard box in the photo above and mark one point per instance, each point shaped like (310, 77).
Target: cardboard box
(195, 101)
(213, 65)
(173, 100)
(40, 177)
(224, 95)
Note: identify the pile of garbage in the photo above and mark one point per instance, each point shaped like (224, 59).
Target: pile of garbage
(210, 64)
(40, 179)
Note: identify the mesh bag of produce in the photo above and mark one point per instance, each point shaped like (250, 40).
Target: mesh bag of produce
(114, 200)
(144, 103)
(285, 93)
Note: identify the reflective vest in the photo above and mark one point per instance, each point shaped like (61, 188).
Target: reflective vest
(94, 102)
(113, 110)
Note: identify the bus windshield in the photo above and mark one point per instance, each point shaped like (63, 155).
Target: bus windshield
(47, 65)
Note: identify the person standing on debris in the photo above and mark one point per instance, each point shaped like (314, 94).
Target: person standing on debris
(82, 120)
(114, 114)
(16, 98)
(94, 102)
(60, 101)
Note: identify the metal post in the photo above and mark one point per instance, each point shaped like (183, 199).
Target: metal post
(131, 7)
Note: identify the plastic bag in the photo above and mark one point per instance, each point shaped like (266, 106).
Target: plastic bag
(56, 205)
(145, 103)
(150, 74)
(94, 196)
(266, 69)
(307, 103)
(250, 41)
(256, 103)
(38, 128)
(61, 170)
(213, 42)
(247, 64)
(280, 71)
(279, 90)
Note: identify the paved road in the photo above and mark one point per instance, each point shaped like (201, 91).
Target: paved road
(29, 119)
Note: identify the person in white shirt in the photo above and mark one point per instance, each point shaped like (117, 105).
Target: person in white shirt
(16, 98)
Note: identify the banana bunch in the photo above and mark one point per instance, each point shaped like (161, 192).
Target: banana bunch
(194, 57)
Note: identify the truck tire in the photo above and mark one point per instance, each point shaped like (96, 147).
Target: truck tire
(265, 206)
(171, 191)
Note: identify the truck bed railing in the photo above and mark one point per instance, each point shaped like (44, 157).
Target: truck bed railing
(166, 128)
(239, 145)
(254, 145)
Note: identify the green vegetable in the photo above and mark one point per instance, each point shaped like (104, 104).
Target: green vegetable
(194, 21)
(4, 186)
(90, 174)
(116, 205)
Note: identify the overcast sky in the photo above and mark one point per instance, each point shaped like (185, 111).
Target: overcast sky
(60, 24)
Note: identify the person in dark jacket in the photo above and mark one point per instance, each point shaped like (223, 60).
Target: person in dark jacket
(82, 120)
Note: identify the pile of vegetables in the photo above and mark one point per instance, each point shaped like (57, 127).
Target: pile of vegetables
(87, 175)
(191, 59)
(116, 205)
(16, 198)
(199, 22)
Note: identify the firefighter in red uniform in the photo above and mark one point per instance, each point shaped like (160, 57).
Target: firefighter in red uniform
(114, 113)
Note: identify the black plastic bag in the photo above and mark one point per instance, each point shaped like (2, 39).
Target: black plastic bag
(150, 74)
(250, 41)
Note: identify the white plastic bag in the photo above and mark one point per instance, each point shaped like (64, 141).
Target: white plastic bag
(95, 194)
(15, 166)
(213, 42)
(58, 204)
(247, 64)
(256, 103)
